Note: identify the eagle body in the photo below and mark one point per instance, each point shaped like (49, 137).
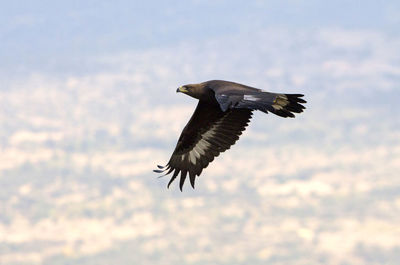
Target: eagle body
(222, 114)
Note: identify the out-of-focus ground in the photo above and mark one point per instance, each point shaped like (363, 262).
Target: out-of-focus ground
(77, 149)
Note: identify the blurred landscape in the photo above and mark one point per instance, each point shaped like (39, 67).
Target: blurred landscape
(81, 130)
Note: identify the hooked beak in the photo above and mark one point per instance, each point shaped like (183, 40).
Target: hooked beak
(181, 89)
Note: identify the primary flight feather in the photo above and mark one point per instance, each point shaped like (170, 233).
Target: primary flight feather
(222, 114)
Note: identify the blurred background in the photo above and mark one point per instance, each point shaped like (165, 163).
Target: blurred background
(88, 108)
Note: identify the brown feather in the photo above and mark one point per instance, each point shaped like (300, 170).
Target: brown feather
(226, 127)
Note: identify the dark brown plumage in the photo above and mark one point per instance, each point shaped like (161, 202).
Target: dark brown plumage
(222, 114)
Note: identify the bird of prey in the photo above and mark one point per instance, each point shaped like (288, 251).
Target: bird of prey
(222, 114)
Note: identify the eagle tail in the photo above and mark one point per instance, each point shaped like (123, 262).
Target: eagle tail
(283, 105)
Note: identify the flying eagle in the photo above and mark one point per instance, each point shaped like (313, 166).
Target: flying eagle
(222, 114)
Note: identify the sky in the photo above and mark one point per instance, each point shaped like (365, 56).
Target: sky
(88, 108)
(56, 36)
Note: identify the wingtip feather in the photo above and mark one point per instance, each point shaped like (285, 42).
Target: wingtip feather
(176, 172)
(192, 178)
(183, 178)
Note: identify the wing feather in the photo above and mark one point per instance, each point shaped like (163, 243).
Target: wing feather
(209, 132)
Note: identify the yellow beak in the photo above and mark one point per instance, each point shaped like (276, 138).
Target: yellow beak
(181, 89)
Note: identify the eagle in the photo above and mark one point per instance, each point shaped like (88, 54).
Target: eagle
(223, 111)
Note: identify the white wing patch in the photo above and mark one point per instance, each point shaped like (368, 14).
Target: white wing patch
(192, 157)
(202, 145)
(251, 98)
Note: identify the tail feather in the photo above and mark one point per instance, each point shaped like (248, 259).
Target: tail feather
(284, 105)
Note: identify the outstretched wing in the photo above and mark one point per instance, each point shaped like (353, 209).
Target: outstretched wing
(231, 95)
(209, 132)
